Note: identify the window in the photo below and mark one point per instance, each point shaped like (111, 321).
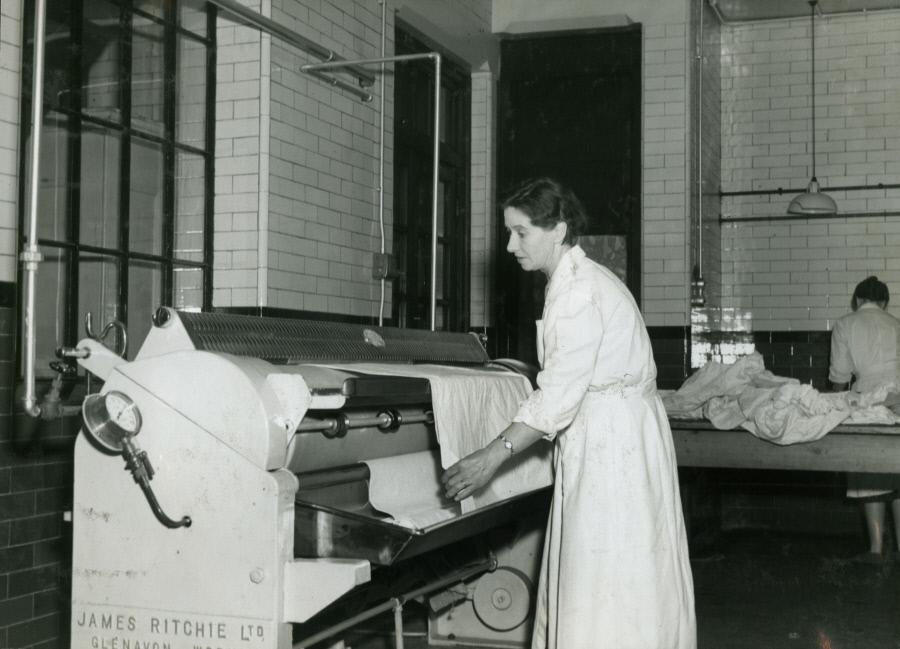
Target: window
(126, 165)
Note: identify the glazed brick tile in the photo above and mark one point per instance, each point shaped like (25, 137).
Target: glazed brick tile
(34, 631)
(36, 528)
(33, 580)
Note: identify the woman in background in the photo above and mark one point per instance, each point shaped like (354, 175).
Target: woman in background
(865, 344)
(615, 572)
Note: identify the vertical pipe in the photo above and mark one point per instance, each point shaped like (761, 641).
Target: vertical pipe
(398, 624)
(381, 159)
(700, 146)
(434, 183)
(812, 77)
(31, 255)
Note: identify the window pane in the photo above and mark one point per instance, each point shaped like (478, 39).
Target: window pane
(445, 112)
(401, 188)
(441, 207)
(192, 15)
(188, 289)
(100, 61)
(50, 305)
(189, 204)
(147, 76)
(101, 158)
(53, 213)
(98, 285)
(144, 296)
(439, 282)
(152, 7)
(58, 55)
(190, 126)
(146, 200)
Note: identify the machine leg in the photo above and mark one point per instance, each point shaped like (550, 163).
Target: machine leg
(398, 624)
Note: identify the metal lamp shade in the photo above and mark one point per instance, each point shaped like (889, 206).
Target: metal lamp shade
(812, 201)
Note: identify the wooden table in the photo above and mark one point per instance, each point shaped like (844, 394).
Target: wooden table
(860, 448)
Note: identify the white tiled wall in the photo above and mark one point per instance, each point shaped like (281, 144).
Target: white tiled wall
(706, 151)
(665, 174)
(10, 84)
(241, 158)
(322, 217)
(799, 273)
(484, 211)
(297, 161)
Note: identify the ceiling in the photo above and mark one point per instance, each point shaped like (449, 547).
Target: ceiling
(748, 10)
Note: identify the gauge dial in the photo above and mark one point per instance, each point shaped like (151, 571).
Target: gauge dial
(123, 412)
(111, 419)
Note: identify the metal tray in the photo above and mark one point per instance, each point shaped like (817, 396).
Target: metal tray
(321, 531)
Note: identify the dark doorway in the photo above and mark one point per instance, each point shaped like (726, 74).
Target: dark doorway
(570, 108)
(413, 173)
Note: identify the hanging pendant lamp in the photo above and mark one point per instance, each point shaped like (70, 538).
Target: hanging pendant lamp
(812, 201)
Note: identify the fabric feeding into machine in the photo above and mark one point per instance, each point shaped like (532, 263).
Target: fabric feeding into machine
(470, 409)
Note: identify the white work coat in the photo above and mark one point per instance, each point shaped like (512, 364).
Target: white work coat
(615, 571)
(866, 344)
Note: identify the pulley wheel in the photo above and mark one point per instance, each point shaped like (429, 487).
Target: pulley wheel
(502, 599)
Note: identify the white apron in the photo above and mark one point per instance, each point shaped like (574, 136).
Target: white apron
(615, 572)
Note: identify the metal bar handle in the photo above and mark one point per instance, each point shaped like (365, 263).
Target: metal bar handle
(387, 420)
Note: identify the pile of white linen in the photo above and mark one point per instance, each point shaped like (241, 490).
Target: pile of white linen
(776, 408)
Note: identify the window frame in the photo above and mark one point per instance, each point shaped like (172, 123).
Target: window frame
(78, 120)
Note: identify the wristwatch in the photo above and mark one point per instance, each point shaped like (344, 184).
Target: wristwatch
(508, 445)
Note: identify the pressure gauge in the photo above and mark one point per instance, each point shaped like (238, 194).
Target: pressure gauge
(110, 418)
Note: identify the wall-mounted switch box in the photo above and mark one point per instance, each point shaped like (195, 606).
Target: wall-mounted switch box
(383, 266)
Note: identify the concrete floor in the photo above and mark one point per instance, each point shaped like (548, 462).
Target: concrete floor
(756, 590)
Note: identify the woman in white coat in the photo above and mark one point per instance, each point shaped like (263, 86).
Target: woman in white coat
(865, 344)
(615, 572)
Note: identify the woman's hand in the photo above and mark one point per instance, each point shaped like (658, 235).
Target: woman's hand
(473, 471)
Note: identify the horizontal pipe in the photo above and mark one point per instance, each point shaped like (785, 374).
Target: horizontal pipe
(807, 217)
(781, 190)
(459, 576)
(329, 65)
(768, 19)
(260, 22)
(338, 83)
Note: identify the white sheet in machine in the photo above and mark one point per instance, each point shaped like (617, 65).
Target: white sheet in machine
(471, 407)
(408, 488)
